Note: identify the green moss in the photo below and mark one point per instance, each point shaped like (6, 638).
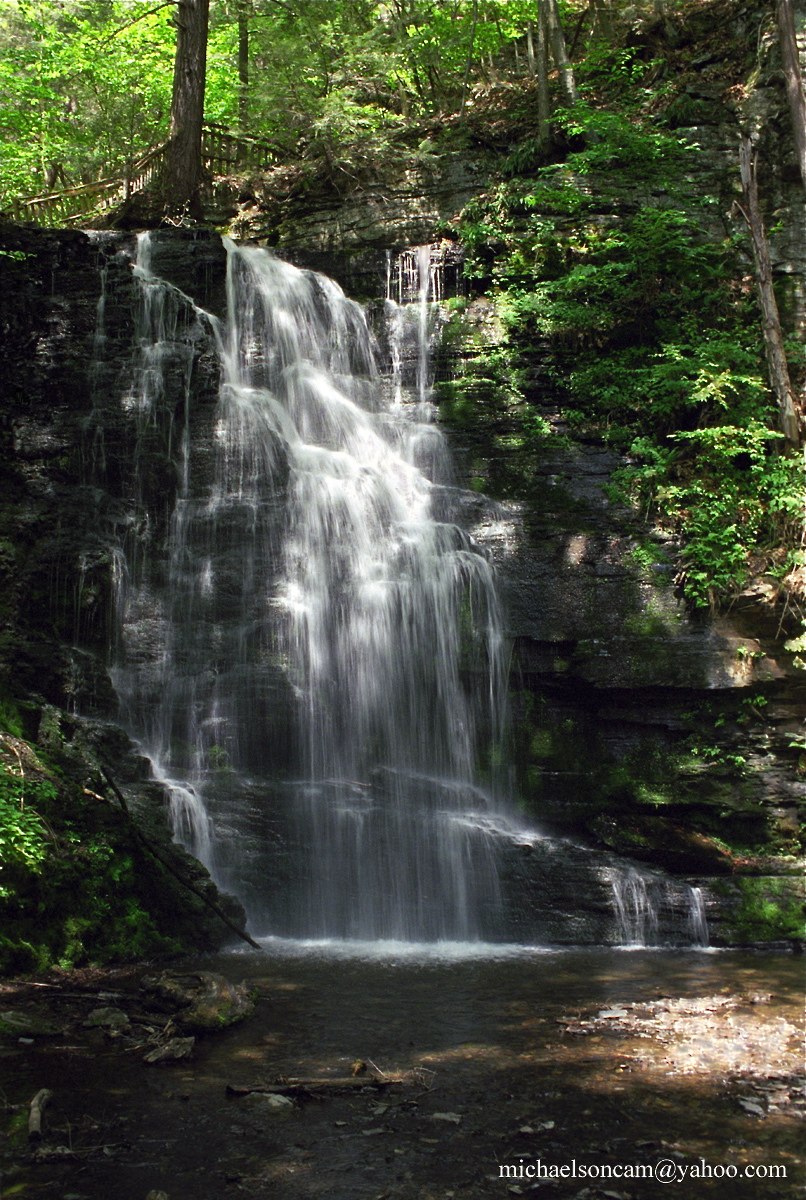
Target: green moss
(74, 886)
(10, 718)
(500, 434)
(654, 795)
(541, 745)
(649, 623)
(648, 795)
(768, 910)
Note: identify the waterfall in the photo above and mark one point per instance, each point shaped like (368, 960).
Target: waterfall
(316, 573)
(151, 599)
(698, 920)
(635, 907)
(307, 644)
(644, 903)
(413, 322)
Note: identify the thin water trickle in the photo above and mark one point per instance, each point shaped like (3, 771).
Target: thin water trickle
(698, 919)
(641, 901)
(413, 322)
(635, 907)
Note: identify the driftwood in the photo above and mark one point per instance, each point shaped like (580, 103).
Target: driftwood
(362, 1077)
(38, 1105)
(146, 844)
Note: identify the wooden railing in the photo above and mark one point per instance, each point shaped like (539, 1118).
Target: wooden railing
(222, 151)
(222, 154)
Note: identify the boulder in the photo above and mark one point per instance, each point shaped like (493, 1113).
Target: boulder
(202, 1001)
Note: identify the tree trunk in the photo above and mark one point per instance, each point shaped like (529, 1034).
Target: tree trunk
(543, 101)
(558, 50)
(771, 322)
(530, 50)
(184, 167)
(243, 65)
(793, 78)
(469, 59)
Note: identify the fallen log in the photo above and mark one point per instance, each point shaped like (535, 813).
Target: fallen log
(312, 1087)
(38, 1105)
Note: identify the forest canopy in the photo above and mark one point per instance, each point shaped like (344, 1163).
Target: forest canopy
(654, 327)
(85, 85)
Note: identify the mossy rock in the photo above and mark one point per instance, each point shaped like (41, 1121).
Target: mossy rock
(653, 838)
(762, 909)
(203, 1002)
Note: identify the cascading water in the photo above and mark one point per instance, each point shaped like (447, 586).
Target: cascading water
(635, 907)
(698, 919)
(314, 555)
(413, 283)
(148, 671)
(641, 900)
(378, 604)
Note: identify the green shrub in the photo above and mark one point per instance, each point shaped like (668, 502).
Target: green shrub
(652, 341)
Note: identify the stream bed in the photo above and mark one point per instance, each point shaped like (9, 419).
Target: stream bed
(579, 1073)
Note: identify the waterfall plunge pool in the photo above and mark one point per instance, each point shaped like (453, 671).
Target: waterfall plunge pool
(586, 1056)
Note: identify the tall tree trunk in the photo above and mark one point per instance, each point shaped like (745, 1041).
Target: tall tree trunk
(558, 50)
(184, 171)
(794, 79)
(777, 365)
(243, 65)
(530, 50)
(543, 100)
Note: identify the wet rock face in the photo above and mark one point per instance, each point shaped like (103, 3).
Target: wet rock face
(87, 475)
(660, 735)
(82, 471)
(195, 261)
(48, 305)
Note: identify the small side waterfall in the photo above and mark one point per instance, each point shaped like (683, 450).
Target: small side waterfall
(150, 593)
(698, 919)
(413, 321)
(635, 909)
(641, 901)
